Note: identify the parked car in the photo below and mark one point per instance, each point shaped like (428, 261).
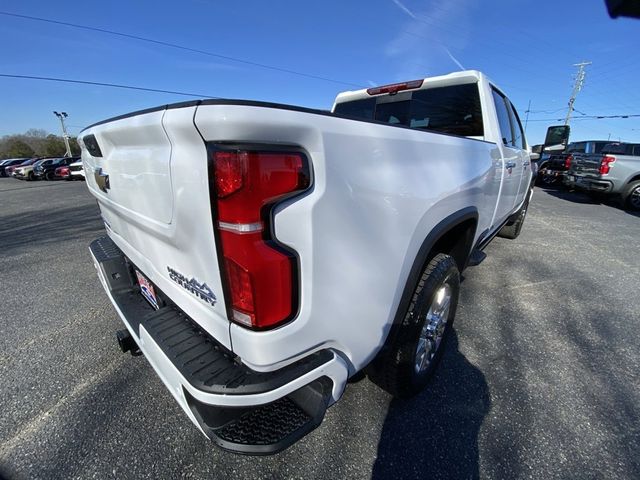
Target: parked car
(8, 163)
(11, 168)
(24, 171)
(76, 171)
(46, 170)
(63, 173)
(615, 172)
(557, 164)
(318, 244)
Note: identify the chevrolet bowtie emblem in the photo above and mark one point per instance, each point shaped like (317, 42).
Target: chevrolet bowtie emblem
(102, 180)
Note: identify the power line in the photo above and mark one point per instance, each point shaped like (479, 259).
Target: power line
(104, 84)
(179, 47)
(586, 117)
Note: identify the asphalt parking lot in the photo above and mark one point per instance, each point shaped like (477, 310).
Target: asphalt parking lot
(539, 381)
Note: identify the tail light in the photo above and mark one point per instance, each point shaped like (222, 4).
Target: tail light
(605, 164)
(395, 87)
(567, 162)
(260, 274)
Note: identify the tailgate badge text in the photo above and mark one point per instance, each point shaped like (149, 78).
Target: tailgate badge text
(200, 290)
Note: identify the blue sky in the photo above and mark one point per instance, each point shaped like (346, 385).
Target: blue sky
(527, 47)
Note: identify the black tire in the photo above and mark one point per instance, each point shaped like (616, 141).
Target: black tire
(48, 176)
(632, 197)
(30, 176)
(512, 229)
(395, 368)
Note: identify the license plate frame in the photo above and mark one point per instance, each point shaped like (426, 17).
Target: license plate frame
(147, 290)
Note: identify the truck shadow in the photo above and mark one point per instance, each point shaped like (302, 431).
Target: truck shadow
(577, 196)
(572, 195)
(436, 433)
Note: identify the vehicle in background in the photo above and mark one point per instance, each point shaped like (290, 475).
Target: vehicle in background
(63, 173)
(76, 171)
(555, 165)
(46, 170)
(8, 163)
(615, 172)
(11, 168)
(24, 171)
(259, 254)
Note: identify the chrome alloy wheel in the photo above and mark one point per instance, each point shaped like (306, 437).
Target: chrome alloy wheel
(434, 327)
(634, 198)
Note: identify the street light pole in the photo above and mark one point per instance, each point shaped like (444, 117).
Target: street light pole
(65, 135)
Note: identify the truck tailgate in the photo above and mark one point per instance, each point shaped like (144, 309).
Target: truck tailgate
(152, 185)
(586, 163)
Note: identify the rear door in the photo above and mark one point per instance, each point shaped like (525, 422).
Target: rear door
(512, 160)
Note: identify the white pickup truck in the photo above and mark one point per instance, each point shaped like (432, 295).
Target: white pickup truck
(260, 255)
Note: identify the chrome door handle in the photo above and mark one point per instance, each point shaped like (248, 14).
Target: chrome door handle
(526, 164)
(509, 164)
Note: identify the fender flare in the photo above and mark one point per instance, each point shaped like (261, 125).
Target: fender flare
(417, 267)
(422, 257)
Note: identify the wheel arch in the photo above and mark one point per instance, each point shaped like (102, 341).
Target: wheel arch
(635, 178)
(453, 235)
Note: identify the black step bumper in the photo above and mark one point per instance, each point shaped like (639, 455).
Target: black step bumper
(242, 410)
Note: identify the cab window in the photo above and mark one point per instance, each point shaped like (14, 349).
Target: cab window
(503, 118)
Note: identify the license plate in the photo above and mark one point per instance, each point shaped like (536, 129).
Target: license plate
(147, 290)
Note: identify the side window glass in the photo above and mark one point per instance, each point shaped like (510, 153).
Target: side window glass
(503, 118)
(518, 133)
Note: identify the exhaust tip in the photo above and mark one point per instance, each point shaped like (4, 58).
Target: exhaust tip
(127, 343)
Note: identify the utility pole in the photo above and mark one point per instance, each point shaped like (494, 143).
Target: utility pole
(577, 86)
(65, 135)
(526, 120)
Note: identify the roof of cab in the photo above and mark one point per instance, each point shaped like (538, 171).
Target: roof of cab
(455, 78)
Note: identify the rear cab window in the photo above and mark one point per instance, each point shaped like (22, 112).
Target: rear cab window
(453, 109)
(616, 148)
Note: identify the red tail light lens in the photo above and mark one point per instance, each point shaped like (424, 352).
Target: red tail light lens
(395, 87)
(261, 275)
(605, 164)
(567, 162)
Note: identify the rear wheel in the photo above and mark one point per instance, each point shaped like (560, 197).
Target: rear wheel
(415, 347)
(48, 176)
(30, 176)
(632, 198)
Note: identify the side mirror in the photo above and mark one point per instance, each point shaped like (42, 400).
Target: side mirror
(623, 8)
(534, 157)
(557, 135)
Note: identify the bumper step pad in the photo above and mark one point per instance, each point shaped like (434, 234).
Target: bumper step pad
(210, 368)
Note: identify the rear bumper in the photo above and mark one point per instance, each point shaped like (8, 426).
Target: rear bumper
(241, 410)
(588, 183)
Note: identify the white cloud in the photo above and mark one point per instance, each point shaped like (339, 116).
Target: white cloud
(423, 44)
(404, 8)
(455, 60)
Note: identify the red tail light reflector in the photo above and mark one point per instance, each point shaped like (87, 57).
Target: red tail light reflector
(605, 164)
(260, 274)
